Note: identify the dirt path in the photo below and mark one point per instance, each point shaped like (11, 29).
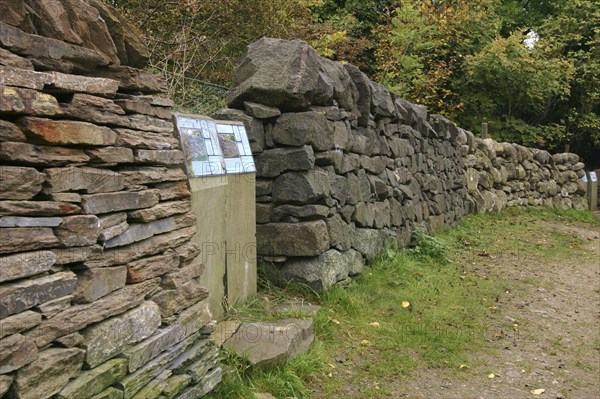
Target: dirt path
(545, 335)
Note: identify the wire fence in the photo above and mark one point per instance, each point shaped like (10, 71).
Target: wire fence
(201, 97)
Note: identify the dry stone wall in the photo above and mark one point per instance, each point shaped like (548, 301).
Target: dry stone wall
(99, 283)
(344, 165)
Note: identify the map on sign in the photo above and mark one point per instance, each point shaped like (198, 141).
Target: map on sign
(593, 177)
(214, 148)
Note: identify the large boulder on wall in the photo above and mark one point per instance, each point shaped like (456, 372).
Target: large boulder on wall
(282, 74)
(87, 23)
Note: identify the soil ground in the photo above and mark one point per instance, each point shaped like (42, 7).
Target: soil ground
(545, 334)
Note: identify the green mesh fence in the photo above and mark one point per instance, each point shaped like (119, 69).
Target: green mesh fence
(200, 97)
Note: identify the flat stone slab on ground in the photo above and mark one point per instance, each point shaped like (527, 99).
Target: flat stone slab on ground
(270, 343)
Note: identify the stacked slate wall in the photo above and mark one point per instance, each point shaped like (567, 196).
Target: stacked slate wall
(344, 165)
(99, 282)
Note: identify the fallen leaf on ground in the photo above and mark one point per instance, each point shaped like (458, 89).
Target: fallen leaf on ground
(374, 324)
(463, 366)
(365, 342)
(538, 391)
(335, 321)
(405, 304)
(491, 376)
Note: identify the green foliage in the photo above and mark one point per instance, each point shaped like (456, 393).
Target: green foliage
(465, 59)
(427, 246)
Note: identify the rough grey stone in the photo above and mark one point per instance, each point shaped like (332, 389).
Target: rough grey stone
(19, 322)
(140, 231)
(188, 323)
(96, 283)
(21, 295)
(272, 343)
(25, 264)
(16, 351)
(92, 382)
(19, 183)
(111, 337)
(298, 129)
(78, 231)
(48, 374)
(77, 317)
(16, 239)
(310, 238)
(277, 73)
(260, 111)
(271, 163)
(322, 272)
(113, 202)
(23, 221)
(301, 187)
(88, 180)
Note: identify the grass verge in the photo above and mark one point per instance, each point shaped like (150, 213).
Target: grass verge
(414, 308)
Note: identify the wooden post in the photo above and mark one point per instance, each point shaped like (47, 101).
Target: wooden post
(567, 147)
(484, 130)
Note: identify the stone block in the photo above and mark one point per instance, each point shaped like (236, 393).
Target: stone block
(97, 110)
(25, 264)
(322, 272)
(18, 296)
(54, 306)
(109, 393)
(11, 132)
(160, 211)
(88, 180)
(298, 129)
(92, 382)
(271, 343)
(271, 163)
(110, 155)
(15, 100)
(152, 175)
(150, 246)
(189, 322)
(133, 79)
(47, 131)
(114, 202)
(179, 277)
(158, 157)
(279, 73)
(78, 231)
(40, 155)
(137, 106)
(66, 256)
(260, 111)
(80, 316)
(309, 238)
(340, 233)
(301, 187)
(146, 140)
(16, 351)
(48, 374)
(140, 231)
(173, 191)
(24, 221)
(96, 283)
(111, 337)
(155, 266)
(288, 213)
(19, 183)
(19, 322)
(172, 302)
(113, 231)
(11, 60)
(6, 380)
